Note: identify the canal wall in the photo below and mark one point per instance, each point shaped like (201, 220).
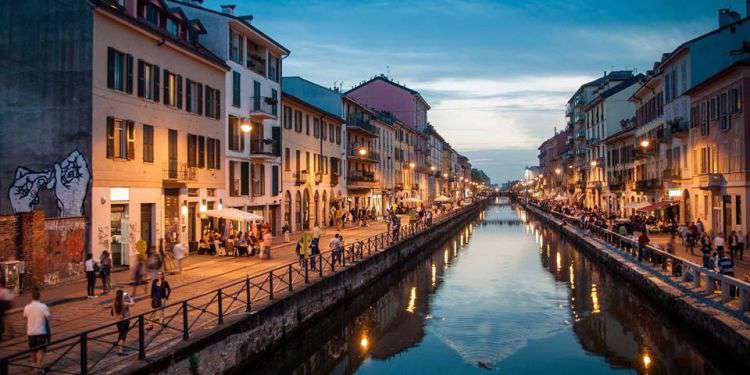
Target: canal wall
(245, 338)
(728, 334)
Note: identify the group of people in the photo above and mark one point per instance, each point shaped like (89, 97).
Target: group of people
(256, 240)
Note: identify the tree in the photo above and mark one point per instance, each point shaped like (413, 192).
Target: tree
(478, 175)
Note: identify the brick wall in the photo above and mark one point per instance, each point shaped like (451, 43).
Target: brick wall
(8, 240)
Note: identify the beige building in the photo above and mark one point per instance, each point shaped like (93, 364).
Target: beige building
(312, 164)
(158, 129)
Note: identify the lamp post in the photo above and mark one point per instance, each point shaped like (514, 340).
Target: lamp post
(246, 126)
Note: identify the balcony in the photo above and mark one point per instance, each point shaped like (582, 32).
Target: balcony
(265, 148)
(616, 185)
(356, 153)
(647, 185)
(263, 108)
(711, 181)
(671, 174)
(334, 178)
(640, 153)
(179, 173)
(356, 123)
(592, 141)
(318, 178)
(361, 180)
(300, 178)
(257, 64)
(679, 128)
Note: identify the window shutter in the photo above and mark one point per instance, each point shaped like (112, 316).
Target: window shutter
(218, 154)
(110, 68)
(191, 150)
(155, 75)
(179, 91)
(110, 138)
(207, 102)
(129, 73)
(189, 95)
(141, 74)
(131, 140)
(201, 151)
(166, 87)
(217, 113)
(200, 99)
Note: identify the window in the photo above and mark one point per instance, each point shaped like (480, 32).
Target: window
(332, 135)
(153, 14)
(735, 98)
(287, 159)
(172, 89)
(738, 210)
(274, 180)
(213, 153)
(212, 103)
(120, 139)
(275, 99)
(273, 68)
(256, 95)
(148, 143)
(287, 117)
(323, 130)
(236, 89)
(236, 138)
(316, 128)
(723, 112)
(245, 178)
(298, 121)
(192, 149)
(148, 80)
(201, 152)
(194, 97)
(667, 92)
(235, 46)
(173, 27)
(307, 124)
(258, 178)
(338, 134)
(119, 71)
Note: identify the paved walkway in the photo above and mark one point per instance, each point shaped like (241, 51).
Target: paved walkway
(741, 267)
(72, 312)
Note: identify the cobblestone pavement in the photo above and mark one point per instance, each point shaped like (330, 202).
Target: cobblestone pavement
(201, 273)
(741, 267)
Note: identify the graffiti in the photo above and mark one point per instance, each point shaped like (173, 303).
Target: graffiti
(69, 179)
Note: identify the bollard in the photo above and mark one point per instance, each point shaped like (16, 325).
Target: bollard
(248, 296)
(84, 354)
(290, 277)
(270, 285)
(220, 307)
(141, 338)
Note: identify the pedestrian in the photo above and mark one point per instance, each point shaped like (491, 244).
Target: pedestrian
(179, 252)
(89, 266)
(267, 242)
(726, 267)
(314, 251)
(286, 232)
(643, 241)
(139, 272)
(337, 248)
(154, 264)
(6, 301)
(105, 271)
(719, 244)
(37, 327)
(121, 312)
(303, 249)
(160, 291)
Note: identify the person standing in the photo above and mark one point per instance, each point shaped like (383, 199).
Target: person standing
(121, 312)
(643, 241)
(105, 271)
(303, 249)
(6, 301)
(160, 291)
(267, 241)
(286, 231)
(179, 253)
(740, 244)
(719, 243)
(37, 327)
(89, 266)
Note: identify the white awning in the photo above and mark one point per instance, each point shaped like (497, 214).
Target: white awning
(637, 205)
(234, 214)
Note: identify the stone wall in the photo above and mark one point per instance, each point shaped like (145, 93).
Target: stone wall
(245, 338)
(725, 332)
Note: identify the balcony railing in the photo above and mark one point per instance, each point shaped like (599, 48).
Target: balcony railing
(362, 179)
(300, 177)
(711, 181)
(262, 107)
(679, 129)
(265, 147)
(369, 155)
(257, 64)
(179, 172)
(358, 123)
(671, 174)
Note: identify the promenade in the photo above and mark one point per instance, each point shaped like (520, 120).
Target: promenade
(72, 312)
(741, 267)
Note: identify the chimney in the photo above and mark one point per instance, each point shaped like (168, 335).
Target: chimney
(228, 9)
(727, 16)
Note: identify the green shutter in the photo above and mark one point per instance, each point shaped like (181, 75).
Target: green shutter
(129, 73)
(188, 95)
(110, 138)
(179, 91)
(110, 67)
(155, 75)
(141, 74)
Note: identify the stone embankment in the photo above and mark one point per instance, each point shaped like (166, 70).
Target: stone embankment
(727, 327)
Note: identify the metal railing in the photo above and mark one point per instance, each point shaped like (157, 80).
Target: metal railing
(734, 294)
(263, 105)
(154, 331)
(179, 172)
(269, 147)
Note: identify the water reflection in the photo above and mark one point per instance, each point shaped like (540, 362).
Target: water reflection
(495, 296)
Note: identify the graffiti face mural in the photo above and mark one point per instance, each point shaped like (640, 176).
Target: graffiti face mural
(69, 179)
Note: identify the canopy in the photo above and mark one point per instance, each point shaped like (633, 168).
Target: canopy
(442, 198)
(234, 214)
(657, 206)
(637, 205)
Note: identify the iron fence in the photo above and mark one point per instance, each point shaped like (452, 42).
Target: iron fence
(155, 331)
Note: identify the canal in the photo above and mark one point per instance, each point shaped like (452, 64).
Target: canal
(504, 294)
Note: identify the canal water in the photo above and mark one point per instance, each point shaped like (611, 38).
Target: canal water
(507, 295)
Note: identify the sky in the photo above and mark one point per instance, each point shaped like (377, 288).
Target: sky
(497, 74)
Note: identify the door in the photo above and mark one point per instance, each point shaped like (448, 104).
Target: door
(147, 224)
(118, 220)
(192, 214)
(172, 149)
(171, 217)
(276, 136)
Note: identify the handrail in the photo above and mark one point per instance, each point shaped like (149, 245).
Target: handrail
(179, 320)
(686, 270)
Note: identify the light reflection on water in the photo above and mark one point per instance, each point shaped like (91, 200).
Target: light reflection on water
(505, 294)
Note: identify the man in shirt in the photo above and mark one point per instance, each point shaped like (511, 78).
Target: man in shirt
(719, 243)
(37, 326)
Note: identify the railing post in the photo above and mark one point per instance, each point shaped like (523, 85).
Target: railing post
(333, 262)
(141, 337)
(270, 285)
(248, 295)
(319, 259)
(84, 354)
(290, 277)
(307, 269)
(185, 327)
(219, 306)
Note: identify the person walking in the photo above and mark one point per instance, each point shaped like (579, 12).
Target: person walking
(267, 242)
(160, 291)
(732, 243)
(179, 252)
(303, 249)
(121, 311)
(719, 244)
(105, 271)
(643, 241)
(336, 247)
(89, 266)
(314, 251)
(286, 232)
(139, 272)
(37, 327)
(6, 301)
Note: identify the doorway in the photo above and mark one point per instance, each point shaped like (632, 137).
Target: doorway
(171, 217)
(119, 233)
(147, 224)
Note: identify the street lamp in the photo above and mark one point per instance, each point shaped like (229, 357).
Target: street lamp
(593, 163)
(645, 143)
(246, 127)
(558, 170)
(412, 165)
(445, 175)
(363, 151)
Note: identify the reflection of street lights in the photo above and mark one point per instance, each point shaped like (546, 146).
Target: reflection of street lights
(433, 168)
